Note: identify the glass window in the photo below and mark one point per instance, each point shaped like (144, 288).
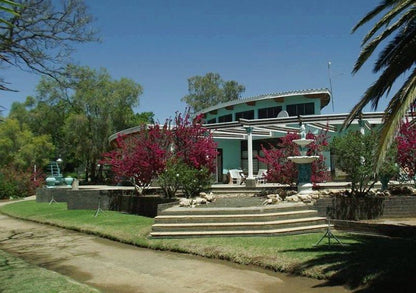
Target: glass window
(225, 118)
(300, 109)
(211, 121)
(269, 112)
(309, 109)
(245, 115)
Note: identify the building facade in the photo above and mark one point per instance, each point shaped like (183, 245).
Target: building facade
(241, 127)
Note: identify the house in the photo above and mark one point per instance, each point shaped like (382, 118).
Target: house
(241, 127)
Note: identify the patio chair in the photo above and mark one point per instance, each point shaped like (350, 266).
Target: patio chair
(236, 176)
(261, 176)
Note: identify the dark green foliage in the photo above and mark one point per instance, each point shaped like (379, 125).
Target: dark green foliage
(209, 90)
(180, 175)
(393, 37)
(355, 156)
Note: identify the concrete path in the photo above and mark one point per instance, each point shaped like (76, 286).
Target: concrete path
(114, 267)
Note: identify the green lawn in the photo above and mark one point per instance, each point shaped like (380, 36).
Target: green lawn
(374, 261)
(17, 275)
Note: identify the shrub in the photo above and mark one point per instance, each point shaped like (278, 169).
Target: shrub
(180, 175)
(355, 156)
(15, 183)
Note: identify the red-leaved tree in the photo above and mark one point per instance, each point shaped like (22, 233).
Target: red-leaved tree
(148, 153)
(140, 157)
(192, 143)
(406, 148)
(282, 170)
(279, 168)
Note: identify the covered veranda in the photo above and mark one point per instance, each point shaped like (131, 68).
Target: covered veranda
(249, 130)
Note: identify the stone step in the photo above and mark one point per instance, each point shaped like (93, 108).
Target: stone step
(222, 233)
(209, 218)
(241, 210)
(231, 226)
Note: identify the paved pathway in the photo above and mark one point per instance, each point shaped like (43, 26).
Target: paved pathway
(114, 267)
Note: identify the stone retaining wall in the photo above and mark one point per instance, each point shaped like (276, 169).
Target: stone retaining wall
(115, 200)
(45, 194)
(370, 208)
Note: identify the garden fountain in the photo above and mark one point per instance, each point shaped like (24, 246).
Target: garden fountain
(303, 163)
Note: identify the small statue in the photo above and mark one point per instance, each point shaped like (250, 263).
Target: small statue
(302, 131)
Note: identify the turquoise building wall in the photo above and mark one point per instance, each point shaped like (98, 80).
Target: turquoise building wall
(231, 153)
(267, 103)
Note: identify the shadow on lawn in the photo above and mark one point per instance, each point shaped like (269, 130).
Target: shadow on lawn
(368, 263)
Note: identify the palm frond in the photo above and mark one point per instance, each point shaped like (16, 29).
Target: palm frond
(369, 16)
(396, 110)
(369, 48)
(355, 111)
(380, 87)
(399, 6)
(401, 47)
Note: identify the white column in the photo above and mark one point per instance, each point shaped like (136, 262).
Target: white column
(250, 152)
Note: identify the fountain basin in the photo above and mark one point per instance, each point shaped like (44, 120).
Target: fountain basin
(303, 159)
(302, 142)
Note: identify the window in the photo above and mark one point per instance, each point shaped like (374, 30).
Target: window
(245, 115)
(225, 118)
(300, 109)
(211, 121)
(269, 112)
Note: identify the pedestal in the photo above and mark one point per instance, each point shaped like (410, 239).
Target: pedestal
(250, 183)
(304, 178)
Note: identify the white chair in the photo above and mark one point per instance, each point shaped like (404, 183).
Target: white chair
(236, 176)
(261, 176)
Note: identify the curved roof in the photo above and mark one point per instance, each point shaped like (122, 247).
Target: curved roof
(323, 94)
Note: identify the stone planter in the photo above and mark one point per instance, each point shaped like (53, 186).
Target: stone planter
(68, 181)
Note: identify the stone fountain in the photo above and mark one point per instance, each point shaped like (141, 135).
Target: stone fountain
(304, 163)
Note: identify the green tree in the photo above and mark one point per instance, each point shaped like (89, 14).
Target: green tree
(209, 90)
(396, 26)
(38, 35)
(92, 107)
(355, 156)
(19, 147)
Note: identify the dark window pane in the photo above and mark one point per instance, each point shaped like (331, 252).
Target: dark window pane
(245, 115)
(309, 109)
(211, 121)
(292, 110)
(225, 118)
(300, 109)
(269, 112)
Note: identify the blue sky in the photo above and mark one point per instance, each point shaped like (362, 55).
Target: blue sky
(268, 46)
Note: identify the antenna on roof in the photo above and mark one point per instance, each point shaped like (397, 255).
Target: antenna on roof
(330, 85)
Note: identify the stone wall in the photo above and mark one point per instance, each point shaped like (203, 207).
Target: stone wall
(370, 208)
(115, 200)
(139, 205)
(45, 194)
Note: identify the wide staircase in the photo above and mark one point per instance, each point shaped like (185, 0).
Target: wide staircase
(284, 218)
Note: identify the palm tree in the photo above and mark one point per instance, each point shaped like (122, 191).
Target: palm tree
(396, 25)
